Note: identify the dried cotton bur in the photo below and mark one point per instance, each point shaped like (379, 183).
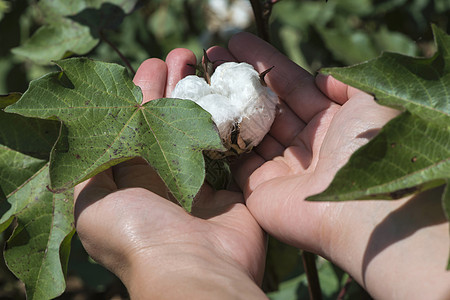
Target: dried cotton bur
(240, 103)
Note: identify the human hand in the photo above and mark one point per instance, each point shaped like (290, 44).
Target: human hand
(317, 128)
(320, 124)
(154, 246)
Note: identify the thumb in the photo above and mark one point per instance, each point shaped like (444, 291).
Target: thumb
(334, 89)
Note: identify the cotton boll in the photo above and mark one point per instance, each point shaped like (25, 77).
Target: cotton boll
(256, 122)
(241, 13)
(238, 79)
(240, 105)
(257, 103)
(192, 88)
(222, 113)
(227, 17)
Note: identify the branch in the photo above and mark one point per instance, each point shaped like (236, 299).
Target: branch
(309, 263)
(262, 15)
(122, 57)
(344, 289)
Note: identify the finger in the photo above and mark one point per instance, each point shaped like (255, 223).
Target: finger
(103, 182)
(334, 89)
(244, 167)
(290, 82)
(138, 173)
(219, 55)
(275, 211)
(296, 159)
(180, 63)
(93, 189)
(269, 148)
(307, 145)
(151, 78)
(210, 203)
(286, 126)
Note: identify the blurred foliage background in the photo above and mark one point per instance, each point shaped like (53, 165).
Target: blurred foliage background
(312, 33)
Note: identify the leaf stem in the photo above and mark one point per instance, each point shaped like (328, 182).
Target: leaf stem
(309, 263)
(122, 57)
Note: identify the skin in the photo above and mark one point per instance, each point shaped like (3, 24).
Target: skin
(128, 222)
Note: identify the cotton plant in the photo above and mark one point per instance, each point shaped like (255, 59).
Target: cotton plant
(225, 18)
(228, 16)
(241, 105)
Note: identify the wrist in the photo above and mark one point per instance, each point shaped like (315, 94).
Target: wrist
(394, 249)
(182, 271)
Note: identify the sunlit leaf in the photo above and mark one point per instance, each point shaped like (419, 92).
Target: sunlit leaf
(106, 124)
(412, 152)
(409, 155)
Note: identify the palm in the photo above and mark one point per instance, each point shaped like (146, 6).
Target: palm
(317, 129)
(144, 220)
(326, 148)
(125, 209)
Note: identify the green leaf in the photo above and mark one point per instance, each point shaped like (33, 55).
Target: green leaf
(391, 41)
(218, 173)
(25, 145)
(419, 85)
(441, 6)
(408, 155)
(29, 136)
(359, 8)
(9, 99)
(412, 152)
(72, 27)
(37, 251)
(55, 9)
(15, 169)
(4, 8)
(106, 123)
(348, 45)
(51, 42)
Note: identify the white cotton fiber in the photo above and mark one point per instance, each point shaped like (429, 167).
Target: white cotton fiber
(235, 98)
(191, 87)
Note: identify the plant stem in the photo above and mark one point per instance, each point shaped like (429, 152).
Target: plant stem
(262, 14)
(122, 57)
(344, 289)
(309, 263)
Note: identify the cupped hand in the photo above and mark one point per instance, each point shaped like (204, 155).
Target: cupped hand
(320, 123)
(125, 221)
